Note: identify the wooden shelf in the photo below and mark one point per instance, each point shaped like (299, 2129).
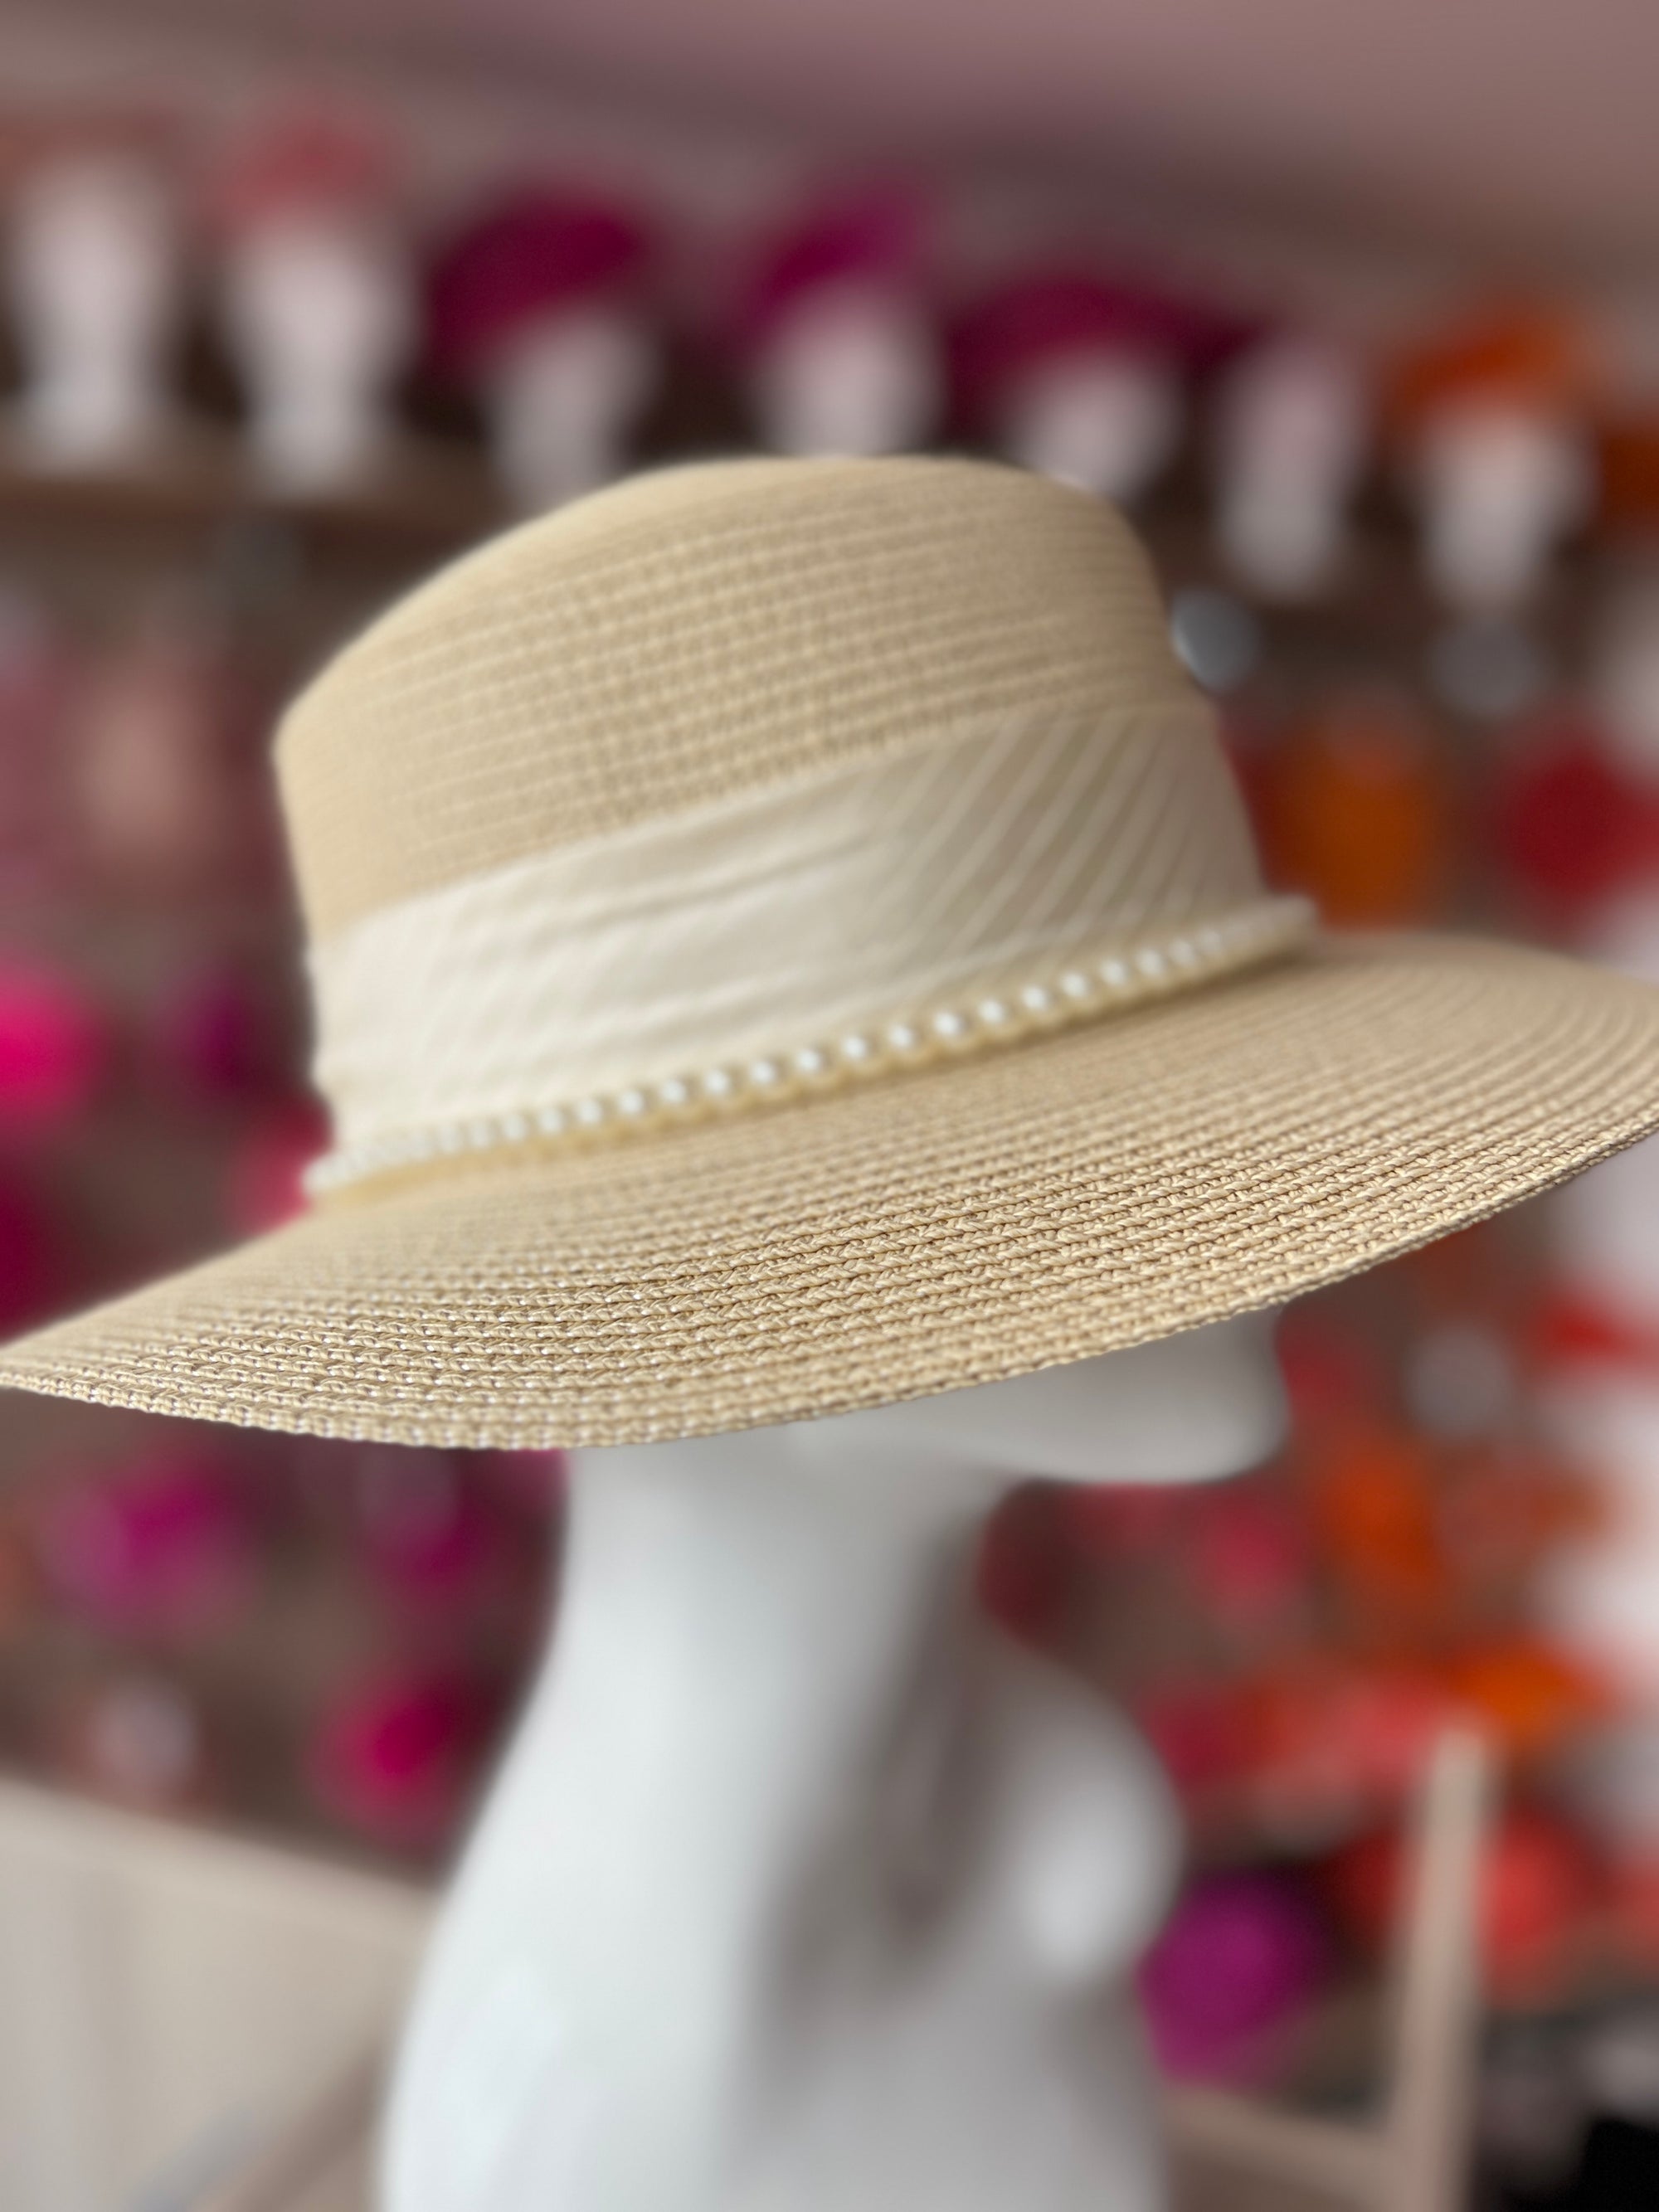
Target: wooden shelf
(426, 500)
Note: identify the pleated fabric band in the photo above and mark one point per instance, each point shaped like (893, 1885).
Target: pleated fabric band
(948, 896)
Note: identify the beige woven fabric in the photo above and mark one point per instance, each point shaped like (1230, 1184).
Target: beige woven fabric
(753, 627)
(949, 1227)
(696, 634)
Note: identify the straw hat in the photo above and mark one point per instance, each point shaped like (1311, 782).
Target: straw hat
(785, 939)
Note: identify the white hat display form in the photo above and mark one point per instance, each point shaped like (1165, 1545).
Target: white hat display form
(840, 351)
(563, 396)
(850, 367)
(1292, 419)
(320, 312)
(1106, 421)
(802, 1889)
(1500, 483)
(95, 278)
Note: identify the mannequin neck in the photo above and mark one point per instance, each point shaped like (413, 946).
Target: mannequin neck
(751, 1607)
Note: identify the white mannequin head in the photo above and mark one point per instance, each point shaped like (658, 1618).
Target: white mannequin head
(563, 394)
(1188, 1408)
(320, 315)
(1501, 485)
(670, 1972)
(1290, 436)
(1105, 421)
(851, 368)
(94, 280)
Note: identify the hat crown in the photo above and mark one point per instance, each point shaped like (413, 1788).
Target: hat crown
(697, 634)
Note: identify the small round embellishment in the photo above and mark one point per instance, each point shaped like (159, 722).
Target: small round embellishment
(515, 1127)
(1210, 943)
(1152, 963)
(633, 1103)
(480, 1135)
(992, 1013)
(949, 1026)
(590, 1113)
(1036, 999)
(551, 1121)
(1183, 953)
(902, 1037)
(763, 1073)
(1075, 984)
(717, 1084)
(854, 1050)
(673, 1092)
(1115, 975)
(809, 1061)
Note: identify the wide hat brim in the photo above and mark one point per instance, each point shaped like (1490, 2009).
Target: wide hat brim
(1066, 1197)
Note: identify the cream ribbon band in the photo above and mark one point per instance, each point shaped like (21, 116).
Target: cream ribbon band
(954, 894)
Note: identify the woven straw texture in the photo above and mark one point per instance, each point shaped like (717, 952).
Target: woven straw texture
(1089, 1191)
(689, 643)
(697, 633)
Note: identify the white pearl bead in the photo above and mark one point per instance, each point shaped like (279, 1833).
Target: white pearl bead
(673, 1092)
(1074, 985)
(763, 1073)
(992, 1013)
(855, 1050)
(1182, 953)
(949, 1026)
(633, 1103)
(1036, 998)
(1115, 975)
(902, 1037)
(516, 1128)
(480, 1134)
(591, 1112)
(809, 1061)
(1151, 963)
(717, 1084)
(550, 1120)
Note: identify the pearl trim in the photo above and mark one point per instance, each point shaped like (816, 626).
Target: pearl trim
(1081, 990)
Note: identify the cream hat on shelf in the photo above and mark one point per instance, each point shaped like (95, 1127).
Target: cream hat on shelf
(785, 938)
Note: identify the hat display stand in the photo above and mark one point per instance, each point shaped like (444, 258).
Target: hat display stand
(1292, 425)
(539, 307)
(839, 352)
(94, 277)
(1496, 452)
(801, 1886)
(1080, 377)
(1232, 2153)
(318, 301)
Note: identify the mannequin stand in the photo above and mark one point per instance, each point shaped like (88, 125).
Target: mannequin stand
(802, 1889)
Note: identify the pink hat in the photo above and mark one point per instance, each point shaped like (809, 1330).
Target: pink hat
(1050, 315)
(304, 160)
(535, 252)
